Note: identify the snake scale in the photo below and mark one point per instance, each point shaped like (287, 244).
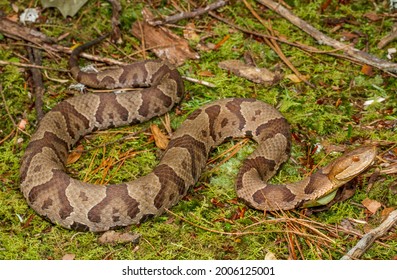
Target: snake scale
(73, 204)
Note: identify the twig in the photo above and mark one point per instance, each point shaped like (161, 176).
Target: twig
(369, 238)
(185, 15)
(6, 106)
(19, 64)
(274, 45)
(200, 82)
(116, 33)
(358, 55)
(388, 38)
(38, 87)
(15, 31)
(241, 233)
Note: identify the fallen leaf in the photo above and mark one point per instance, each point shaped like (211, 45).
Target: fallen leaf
(160, 138)
(22, 124)
(331, 148)
(349, 36)
(239, 213)
(68, 257)
(75, 155)
(371, 205)
(367, 70)
(294, 78)
(217, 203)
(113, 237)
(15, 7)
(165, 44)
(372, 16)
(385, 212)
(67, 8)
(270, 256)
(205, 73)
(252, 73)
(189, 32)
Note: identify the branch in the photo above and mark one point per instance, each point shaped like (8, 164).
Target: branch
(369, 238)
(37, 81)
(194, 13)
(358, 55)
(16, 31)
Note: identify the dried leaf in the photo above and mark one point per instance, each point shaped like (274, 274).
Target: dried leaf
(239, 213)
(217, 203)
(371, 205)
(372, 16)
(160, 138)
(252, 73)
(385, 212)
(205, 73)
(22, 124)
(294, 78)
(113, 237)
(367, 70)
(349, 36)
(270, 256)
(15, 7)
(67, 7)
(68, 257)
(75, 155)
(189, 32)
(165, 44)
(331, 148)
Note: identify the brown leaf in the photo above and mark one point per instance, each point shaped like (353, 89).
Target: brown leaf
(252, 73)
(349, 36)
(372, 16)
(75, 155)
(165, 44)
(205, 73)
(371, 205)
(294, 78)
(239, 213)
(189, 32)
(367, 70)
(112, 237)
(160, 138)
(331, 148)
(22, 124)
(385, 212)
(270, 256)
(68, 257)
(217, 203)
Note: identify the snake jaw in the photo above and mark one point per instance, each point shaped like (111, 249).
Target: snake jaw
(352, 164)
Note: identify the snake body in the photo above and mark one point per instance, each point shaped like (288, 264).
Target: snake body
(73, 204)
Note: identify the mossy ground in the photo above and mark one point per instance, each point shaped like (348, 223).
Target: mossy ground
(333, 111)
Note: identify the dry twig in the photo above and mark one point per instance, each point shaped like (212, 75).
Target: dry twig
(185, 15)
(369, 238)
(38, 87)
(274, 45)
(350, 51)
(13, 30)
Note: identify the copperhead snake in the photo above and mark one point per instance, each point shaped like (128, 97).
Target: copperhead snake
(73, 204)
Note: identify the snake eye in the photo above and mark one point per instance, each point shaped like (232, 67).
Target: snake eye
(356, 158)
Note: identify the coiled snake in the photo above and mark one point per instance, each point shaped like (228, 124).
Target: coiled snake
(82, 206)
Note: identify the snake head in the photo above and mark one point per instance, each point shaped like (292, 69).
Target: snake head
(351, 164)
